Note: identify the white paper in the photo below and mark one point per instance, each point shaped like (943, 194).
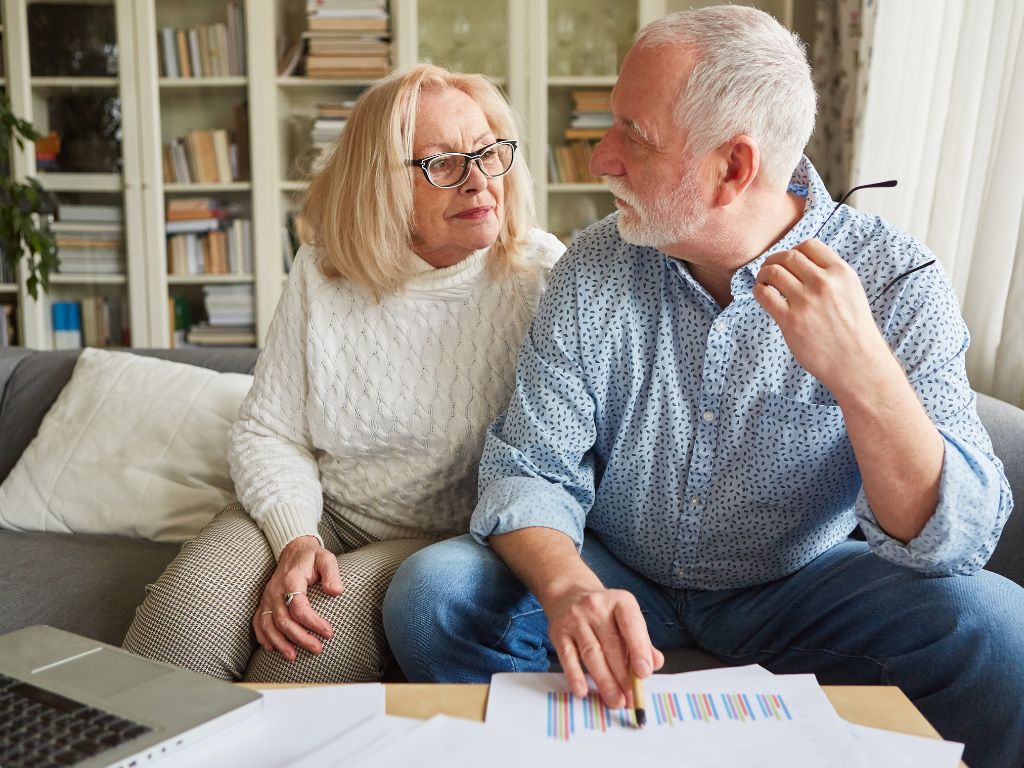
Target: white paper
(709, 718)
(364, 738)
(888, 749)
(451, 742)
(292, 723)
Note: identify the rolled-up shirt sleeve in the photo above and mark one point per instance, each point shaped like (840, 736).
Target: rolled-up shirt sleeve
(537, 468)
(974, 495)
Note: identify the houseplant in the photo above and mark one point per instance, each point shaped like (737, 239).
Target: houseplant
(21, 205)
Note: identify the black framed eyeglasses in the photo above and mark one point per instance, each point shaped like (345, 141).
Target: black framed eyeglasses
(891, 283)
(451, 169)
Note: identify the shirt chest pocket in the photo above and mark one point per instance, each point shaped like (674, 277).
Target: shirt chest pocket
(797, 456)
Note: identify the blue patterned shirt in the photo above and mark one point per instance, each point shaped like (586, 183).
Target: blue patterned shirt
(693, 443)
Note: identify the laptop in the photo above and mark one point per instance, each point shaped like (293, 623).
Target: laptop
(66, 700)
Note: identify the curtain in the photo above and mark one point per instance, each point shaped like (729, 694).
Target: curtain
(840, 60)
(943, 113)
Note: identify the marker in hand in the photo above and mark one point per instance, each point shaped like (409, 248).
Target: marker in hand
(638, 700)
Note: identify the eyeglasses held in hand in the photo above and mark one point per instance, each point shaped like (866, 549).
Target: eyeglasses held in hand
(451, 169)
(890, 183)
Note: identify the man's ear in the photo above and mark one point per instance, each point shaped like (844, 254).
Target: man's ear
(739, 161)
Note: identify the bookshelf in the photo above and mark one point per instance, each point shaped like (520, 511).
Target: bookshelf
(507, 40)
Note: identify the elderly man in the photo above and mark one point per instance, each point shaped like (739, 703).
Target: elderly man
(720, 398)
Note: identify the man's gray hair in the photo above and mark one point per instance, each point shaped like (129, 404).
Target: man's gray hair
(751, 77)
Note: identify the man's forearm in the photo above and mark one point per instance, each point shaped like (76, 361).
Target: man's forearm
(899, 451)
(546, 561)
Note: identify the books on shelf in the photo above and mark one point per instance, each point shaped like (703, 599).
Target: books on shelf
(217, 156)
(330, 122)
(214, 50)
(231, 317)
(345, 39)
(591, 118)
(570, 163)
(90, 239)
(206, 237)
(8, 336)
(95, 321)
(179, 319)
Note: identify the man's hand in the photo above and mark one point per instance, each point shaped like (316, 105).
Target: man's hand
(303, 562)
(826, 321)
(602, 628)
(606, 631)
(825, 317)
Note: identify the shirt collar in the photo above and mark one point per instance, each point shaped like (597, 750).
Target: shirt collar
(817, 208)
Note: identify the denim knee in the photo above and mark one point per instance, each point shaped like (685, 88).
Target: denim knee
(456, 613)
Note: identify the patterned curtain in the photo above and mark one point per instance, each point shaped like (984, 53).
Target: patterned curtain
(841, 60)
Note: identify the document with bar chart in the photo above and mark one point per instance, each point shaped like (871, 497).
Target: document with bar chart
(694, 719)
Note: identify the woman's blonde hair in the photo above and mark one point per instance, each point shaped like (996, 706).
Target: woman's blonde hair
(359, 210)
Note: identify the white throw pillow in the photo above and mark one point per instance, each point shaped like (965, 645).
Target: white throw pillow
(134, 445)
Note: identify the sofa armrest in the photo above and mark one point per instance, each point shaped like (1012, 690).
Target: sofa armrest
(1005, 425)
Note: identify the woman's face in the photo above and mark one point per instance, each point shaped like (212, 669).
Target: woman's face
(450, 224)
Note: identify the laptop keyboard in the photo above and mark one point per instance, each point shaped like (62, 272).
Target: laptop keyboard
(39, 729)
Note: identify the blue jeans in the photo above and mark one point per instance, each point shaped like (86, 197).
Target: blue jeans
(455, 613)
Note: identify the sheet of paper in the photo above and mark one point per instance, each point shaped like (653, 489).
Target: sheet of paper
(888, 749)
(292, 723)
(362, 739)
(451, 742)
(707, 718)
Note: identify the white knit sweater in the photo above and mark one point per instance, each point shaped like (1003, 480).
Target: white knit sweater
(382, 407)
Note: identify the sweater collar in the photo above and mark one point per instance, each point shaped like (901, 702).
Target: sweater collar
(430, 279)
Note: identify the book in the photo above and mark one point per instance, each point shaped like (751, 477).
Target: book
(222, 154)
(66, 325)
(333, 23)
(195, 60)
(205, 156)
(87, 213)
(184, 64)
(241, 112)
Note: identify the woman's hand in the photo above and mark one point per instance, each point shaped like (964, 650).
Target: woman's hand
(303, 562)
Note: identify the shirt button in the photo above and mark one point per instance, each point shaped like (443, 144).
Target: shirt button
(709, 415)
(720, 326)
(681, 573)
(694, 501)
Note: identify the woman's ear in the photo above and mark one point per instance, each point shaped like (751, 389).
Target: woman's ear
(740, 161)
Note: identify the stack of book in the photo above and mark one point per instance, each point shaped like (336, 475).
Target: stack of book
(207, 237)
(95, 321)
(217, 50)
(205, 157)
(231, 313)
(90, 239)
(329, 125)
(591, 115)
(591, 119)
(347, 39)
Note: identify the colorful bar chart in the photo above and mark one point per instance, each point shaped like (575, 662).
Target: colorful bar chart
(666, 709)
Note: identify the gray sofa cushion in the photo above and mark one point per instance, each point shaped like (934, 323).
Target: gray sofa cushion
(37, 379)
(89, 585)
(1005, 425)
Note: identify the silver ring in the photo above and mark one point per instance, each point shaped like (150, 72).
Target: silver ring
(289, 595)
(265, 613)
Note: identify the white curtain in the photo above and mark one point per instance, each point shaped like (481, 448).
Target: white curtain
(943, 113)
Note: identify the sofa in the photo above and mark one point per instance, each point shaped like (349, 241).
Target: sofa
(91, 584)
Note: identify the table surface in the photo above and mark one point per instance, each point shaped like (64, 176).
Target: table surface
(877, 706)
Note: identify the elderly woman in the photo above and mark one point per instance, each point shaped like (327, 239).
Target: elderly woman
(392, 350)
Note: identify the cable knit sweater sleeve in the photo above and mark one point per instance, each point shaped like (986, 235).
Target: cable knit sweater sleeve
(269, 448)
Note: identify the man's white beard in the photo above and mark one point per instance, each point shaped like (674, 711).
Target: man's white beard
(674, 218)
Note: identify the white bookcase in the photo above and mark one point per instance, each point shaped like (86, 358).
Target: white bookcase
(156, 109)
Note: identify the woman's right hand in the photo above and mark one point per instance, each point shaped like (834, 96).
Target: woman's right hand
(278, 625)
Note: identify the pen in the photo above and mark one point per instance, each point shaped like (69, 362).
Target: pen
(638, 700)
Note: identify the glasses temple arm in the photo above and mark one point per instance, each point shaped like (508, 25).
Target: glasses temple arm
(890, 183)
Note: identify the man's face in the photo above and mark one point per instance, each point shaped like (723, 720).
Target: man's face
(657, 184)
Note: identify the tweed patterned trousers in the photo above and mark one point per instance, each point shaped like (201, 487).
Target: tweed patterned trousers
(198, 615)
